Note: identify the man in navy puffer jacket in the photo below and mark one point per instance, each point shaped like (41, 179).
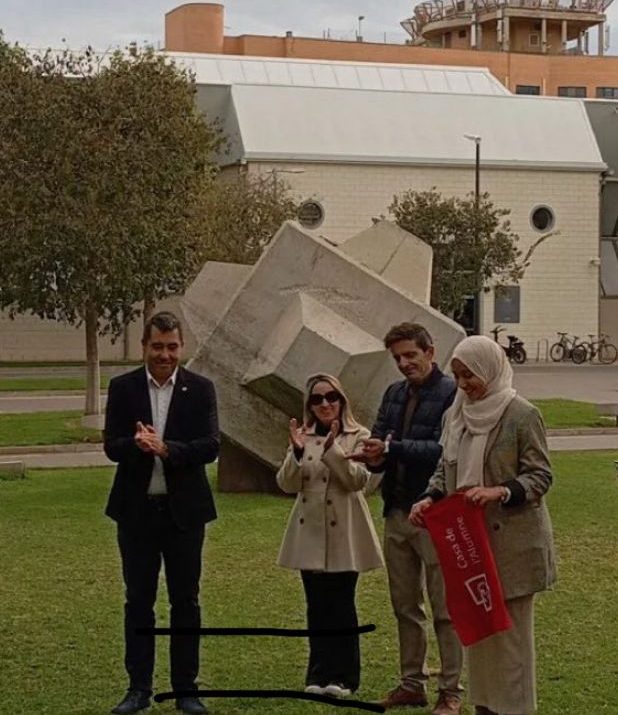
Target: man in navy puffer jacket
(405, 446)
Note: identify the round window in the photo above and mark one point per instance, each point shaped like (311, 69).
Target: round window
(310, 214)
(543, 218)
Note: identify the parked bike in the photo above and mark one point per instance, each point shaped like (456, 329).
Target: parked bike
(601, 348)
(568, 349)
(515, 349)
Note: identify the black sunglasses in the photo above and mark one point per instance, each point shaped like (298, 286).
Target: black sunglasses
(330, 397)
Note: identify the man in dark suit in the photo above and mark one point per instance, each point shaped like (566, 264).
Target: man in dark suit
(161, 428)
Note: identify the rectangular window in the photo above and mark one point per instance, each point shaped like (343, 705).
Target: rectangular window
(527, 89)
(462, 33)
(506, 304)
(571, 91)
(534, 39)
(607, 92)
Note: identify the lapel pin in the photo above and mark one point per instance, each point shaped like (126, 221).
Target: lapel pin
(184, 389)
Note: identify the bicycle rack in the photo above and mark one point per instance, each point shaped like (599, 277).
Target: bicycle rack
(540, 344)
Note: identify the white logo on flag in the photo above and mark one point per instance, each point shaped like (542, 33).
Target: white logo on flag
(478, 588)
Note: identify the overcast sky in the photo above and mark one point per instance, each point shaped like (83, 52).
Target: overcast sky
(105, 23)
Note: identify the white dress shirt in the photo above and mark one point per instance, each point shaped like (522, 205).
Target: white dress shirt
(160, 398)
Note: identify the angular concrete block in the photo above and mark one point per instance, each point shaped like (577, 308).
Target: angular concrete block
(305, 307)
(398, 256)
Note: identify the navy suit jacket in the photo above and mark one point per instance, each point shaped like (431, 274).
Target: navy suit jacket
(192, 438)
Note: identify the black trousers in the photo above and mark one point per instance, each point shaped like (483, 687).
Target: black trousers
(142, 550)
(330, 604)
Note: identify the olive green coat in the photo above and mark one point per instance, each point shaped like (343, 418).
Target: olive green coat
(521, 536)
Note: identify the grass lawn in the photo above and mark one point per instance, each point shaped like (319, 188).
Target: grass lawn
(46, 384)
(33, 428)
(571, 413)
(61, 601)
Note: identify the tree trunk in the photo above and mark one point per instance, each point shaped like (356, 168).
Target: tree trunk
(93, 368)
(149, 307)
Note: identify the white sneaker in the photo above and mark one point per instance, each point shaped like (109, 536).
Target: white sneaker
(314, 689)
(336, 690)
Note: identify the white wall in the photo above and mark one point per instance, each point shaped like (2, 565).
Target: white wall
(560, 289)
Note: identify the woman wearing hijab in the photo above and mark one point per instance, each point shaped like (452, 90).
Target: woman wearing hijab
(330, 536)
(494, 447)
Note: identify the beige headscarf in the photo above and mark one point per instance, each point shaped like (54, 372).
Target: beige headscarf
(474, 420)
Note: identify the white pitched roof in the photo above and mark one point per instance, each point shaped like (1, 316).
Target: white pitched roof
(230, 69)
(320, 124)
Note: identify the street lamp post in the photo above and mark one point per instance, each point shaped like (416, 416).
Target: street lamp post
(477, 195)
(477, 166)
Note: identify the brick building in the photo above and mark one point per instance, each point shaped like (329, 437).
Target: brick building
(528, 45)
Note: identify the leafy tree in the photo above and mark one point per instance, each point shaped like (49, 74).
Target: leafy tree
(105, 165)
(472, 242)
(241, 214)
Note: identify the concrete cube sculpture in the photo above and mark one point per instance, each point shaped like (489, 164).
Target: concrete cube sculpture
(305, 307)
(398, 256)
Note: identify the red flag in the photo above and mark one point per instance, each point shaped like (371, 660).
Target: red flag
(474, 596)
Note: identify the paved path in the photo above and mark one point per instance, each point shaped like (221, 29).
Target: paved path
(19, 402)
(94, 456)
(590, 383)
(59, 460)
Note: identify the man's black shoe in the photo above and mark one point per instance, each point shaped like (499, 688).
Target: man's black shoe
(134, 701)
(191, 706)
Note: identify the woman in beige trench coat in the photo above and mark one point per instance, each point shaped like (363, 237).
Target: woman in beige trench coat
(330, 536)
(494, 447)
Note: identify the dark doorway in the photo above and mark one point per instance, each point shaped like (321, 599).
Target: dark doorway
(468, 317)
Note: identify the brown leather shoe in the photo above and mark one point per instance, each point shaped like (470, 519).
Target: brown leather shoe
(447, 705)
(401, 698)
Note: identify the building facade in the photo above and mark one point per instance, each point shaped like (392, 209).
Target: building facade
(350, 149)
(525, 44)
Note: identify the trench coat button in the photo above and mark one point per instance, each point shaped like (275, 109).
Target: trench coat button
(304, 499)
(318, 442)
(329, 501)
(309, 458)
(306, 479)
(323, 479)
(333, 523)
(302, 521)
(496, 527)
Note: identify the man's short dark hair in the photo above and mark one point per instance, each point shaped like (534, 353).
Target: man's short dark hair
(165, 322)
(409, 331)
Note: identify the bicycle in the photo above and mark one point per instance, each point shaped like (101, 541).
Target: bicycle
(601, 348)
(564, 348)
(514, 350)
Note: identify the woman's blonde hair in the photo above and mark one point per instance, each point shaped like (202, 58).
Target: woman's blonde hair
(346, 417)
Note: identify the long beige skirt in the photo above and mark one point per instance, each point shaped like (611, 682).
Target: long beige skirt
(501, 668)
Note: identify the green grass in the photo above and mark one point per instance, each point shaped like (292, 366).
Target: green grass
(61, 600)
(35, 428)
(560, 414)
(46, 384)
